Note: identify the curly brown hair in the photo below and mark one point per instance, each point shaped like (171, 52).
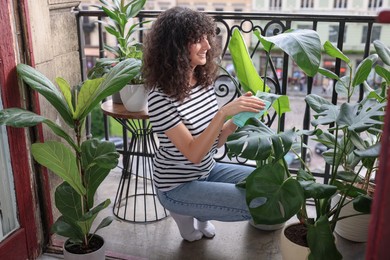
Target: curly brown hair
(166, 62)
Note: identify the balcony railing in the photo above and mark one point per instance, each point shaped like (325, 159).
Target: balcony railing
(280, 75)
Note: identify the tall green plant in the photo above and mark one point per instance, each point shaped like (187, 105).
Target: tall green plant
(81, 164)
(120, 25)
(273, 194)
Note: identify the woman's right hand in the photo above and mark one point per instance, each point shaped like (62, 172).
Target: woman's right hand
(245, 103)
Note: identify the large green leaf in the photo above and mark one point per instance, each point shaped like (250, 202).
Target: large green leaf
(60, 160)
(68, 202)
(66, 91)
(98, 158)
(86, 221)
(362, 203)
(243, 65)
(321, 241)
(303, 46)
(363, 70)
(359, 117)
(46, 88)
(333, 51)
(316, 190)
(93, 92)
(67, 228)
(258, 142)
(271, 198)
(17, 117)
(383, 51)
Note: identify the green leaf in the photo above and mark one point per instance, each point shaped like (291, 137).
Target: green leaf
(303, 46)
(17, 117)
(335, 52)
(68, 202)
(243, 65)
(271, 198)
(114, 81)
(384, 73)
(317, 190)
(371, 152)
(363, 70)
(383, 51)
(258, 142)
(362, 203)
(321, 241)
(65, 89)
(348, 176)
(342, 86)
(359, 117)
(46, 88)
(316, 102)
(104, 223)
(68, 229)
(327, 73)
(98, 158)
(86, 221)
(60, 160)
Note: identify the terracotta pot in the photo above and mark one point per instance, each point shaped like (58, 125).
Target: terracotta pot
(99, 254)
(353, 228)
(291, 250)
(134, 98)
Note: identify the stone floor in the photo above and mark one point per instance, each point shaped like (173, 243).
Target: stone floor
(160, 240)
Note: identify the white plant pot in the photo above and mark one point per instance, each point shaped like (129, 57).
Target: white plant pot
(291, 250)
(134, 98)
(353, 228)
(267, 227)
(99, 254)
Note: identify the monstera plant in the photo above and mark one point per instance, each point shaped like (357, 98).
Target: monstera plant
(81, 164)
(273, 193)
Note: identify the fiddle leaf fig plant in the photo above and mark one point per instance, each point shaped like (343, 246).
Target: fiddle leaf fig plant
(81, 164)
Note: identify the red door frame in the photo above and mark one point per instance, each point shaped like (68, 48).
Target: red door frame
(24, 242)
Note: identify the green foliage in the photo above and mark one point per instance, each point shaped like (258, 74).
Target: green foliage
(120, 17)
(82, 165)
(273, 195)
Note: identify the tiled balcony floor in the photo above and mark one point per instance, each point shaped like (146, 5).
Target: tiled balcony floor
(161, 240)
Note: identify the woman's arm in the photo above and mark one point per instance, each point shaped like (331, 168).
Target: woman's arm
(195, 148)
(228, 128)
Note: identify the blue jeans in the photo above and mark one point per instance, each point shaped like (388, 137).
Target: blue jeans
(213, 198)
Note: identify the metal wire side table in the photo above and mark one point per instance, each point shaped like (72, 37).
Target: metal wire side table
(135, 199)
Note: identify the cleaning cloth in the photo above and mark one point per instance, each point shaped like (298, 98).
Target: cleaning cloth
(241, 118)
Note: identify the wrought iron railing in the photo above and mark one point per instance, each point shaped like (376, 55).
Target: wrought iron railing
(279, 76)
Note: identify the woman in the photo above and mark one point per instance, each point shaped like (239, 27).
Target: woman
(179, 68)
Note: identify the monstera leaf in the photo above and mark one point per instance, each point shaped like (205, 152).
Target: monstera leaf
(258, 142)
(271, 198)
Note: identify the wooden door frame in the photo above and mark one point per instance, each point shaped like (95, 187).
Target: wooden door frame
(25, 240)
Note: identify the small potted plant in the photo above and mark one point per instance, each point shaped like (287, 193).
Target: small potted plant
(274, 195)
(81, 164)
(120, 25)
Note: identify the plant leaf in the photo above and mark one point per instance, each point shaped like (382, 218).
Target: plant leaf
(46, 88)
(280, 198)
(321, 241)
(363, 70)
(303, 46)
(60, 160)
(335, 52)
(243, 65)
(65, 89)
(383, 51)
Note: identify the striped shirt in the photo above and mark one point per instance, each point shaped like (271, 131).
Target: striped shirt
(171, 167)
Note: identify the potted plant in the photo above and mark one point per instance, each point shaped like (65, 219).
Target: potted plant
(81, 164)
(120, 25)
(274, 195)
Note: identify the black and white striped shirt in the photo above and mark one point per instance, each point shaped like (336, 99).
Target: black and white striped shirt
(171, 167)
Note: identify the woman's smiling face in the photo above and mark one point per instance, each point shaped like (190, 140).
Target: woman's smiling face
(198, 51)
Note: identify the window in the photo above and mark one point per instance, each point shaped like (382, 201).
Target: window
(275, 4)
(218, 9)
(200, 9)
(334, 33)
(374, 4)
(307, 3)
(375, 34)
(340, 4)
